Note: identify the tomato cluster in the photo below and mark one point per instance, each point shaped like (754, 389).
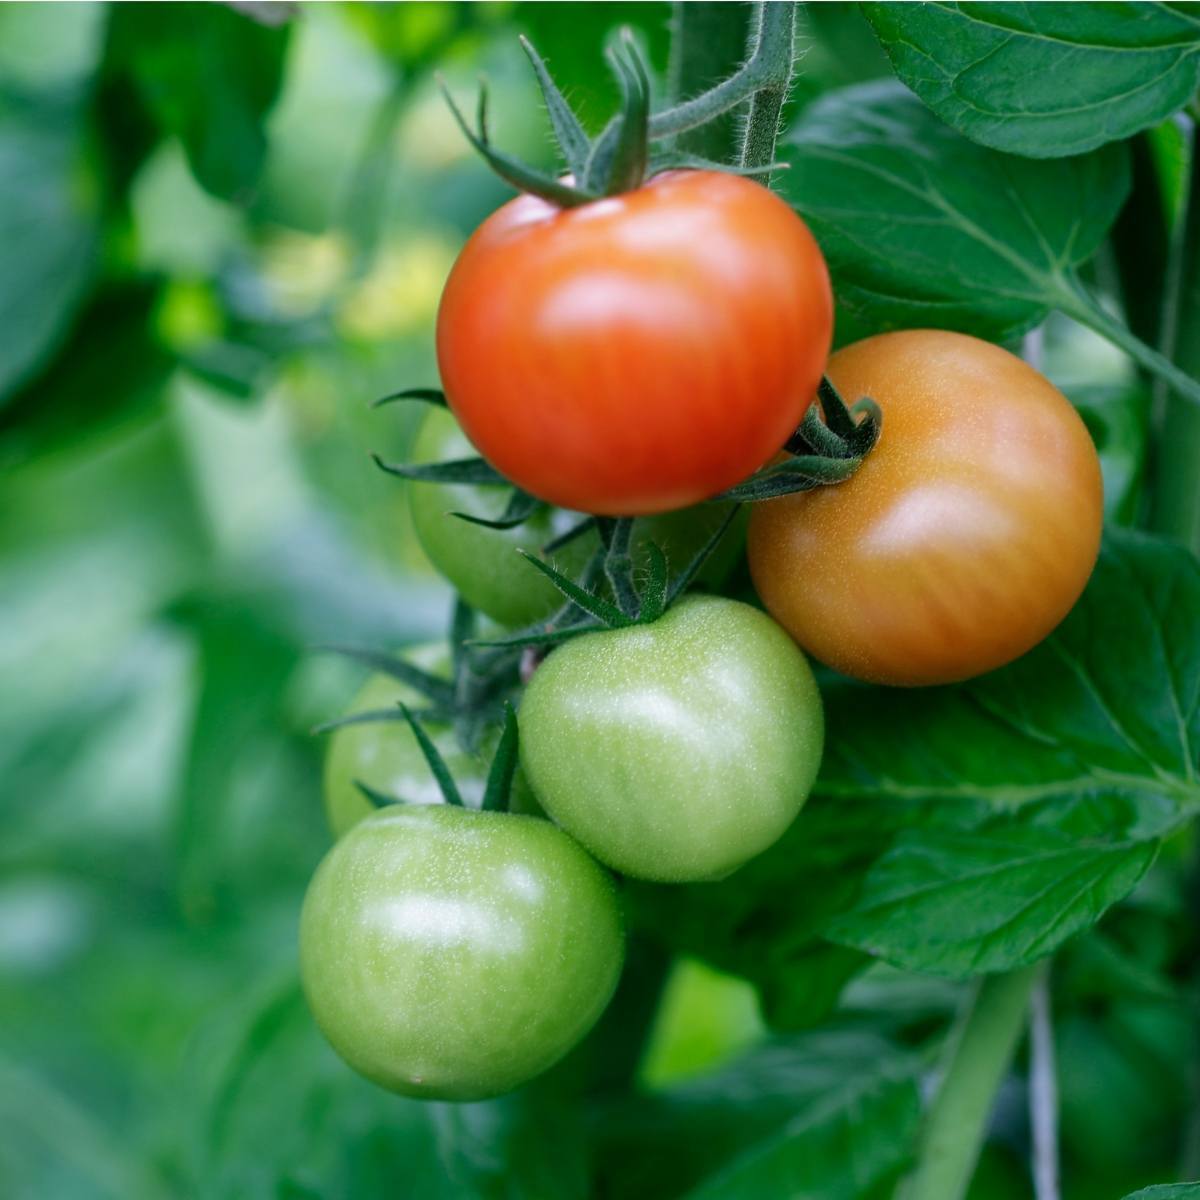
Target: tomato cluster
(628, 358)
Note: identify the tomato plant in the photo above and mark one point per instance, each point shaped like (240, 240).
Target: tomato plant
(639, 354)
(966, 536)
(677, 750)
(454, 954)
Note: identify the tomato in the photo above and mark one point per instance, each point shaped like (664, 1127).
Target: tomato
(453, 954)
(482, 563)
(676, 750)
(640, 353)
(966, 536)
(385, 756)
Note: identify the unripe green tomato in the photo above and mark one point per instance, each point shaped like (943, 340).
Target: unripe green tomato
(677, 750)
(385, 756)
(483, 564)
(451, 954)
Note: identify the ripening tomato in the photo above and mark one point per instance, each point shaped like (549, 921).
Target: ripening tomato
(453, 954)
(640, 353)
(676, 750)
(965, 537)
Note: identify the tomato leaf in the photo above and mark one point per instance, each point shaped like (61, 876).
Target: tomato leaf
(1044, 80)
(984, 899)
(771, 1107)
(209, 76)
(858, 1139)
(1083, 754)
(1168, 1191)
(922, 227)
(49, 207)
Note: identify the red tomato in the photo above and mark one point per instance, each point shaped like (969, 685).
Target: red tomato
(965, 537)
(639, 353)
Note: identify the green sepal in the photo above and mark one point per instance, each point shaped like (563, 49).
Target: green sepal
(550, 637)
(425, 395)
(596, 606)
(372, 716)
(522, 177)
(572, 140)
(569, 535)
(504, 766)
(457, 470)
(432, 687)
(680, 583)
(625, 167)
(521, 506)
(437, 764)
(375, 798)
(654, 593)
(797, 474)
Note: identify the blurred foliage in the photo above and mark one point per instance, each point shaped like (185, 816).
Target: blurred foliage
(224, 234)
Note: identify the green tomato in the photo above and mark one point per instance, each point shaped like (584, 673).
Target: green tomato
(482, 563)
(678, 750)
(452, 954)
(386, 757)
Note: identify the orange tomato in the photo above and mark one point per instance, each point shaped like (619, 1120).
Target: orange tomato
(965, 537)
(639, 353)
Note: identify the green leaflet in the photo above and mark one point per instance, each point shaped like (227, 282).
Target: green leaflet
(923, 228)
(1044, 80)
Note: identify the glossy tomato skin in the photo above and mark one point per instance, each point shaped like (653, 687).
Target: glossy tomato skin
(640, 353)
(450, 954)
(678, 750)
(385, 756)
(483, 564)
(966, 536)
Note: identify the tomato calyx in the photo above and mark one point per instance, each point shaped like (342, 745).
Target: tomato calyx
(820, 452)
(620, 157)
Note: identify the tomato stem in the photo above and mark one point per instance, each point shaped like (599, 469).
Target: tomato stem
(1078, 303)
(976, 1058)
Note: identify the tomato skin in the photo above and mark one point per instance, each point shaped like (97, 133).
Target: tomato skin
(965, 537)
(678, 750)
(450, 954)
(483, 564)
(640, 353)
(386, 757)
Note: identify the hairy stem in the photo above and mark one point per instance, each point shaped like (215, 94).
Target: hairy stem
(1175, 501)
(768, 67)
(708, 44)
(1043, 1092)
(762, 122)
(977, 1055)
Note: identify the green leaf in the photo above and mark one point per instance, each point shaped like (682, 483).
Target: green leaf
(49, 206)
(923, 228)
(208, 76)
(1044, 80)
(1118, 418)
(774, 1105)
(958, 903)
(1080, 757)
(843, 1151)
(1168, 1191)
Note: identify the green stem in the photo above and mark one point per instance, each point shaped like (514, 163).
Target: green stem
(708, 44)
(1175, 502)
(1076, 302)
(769, 66)
(762, 122)
(977, 1056)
